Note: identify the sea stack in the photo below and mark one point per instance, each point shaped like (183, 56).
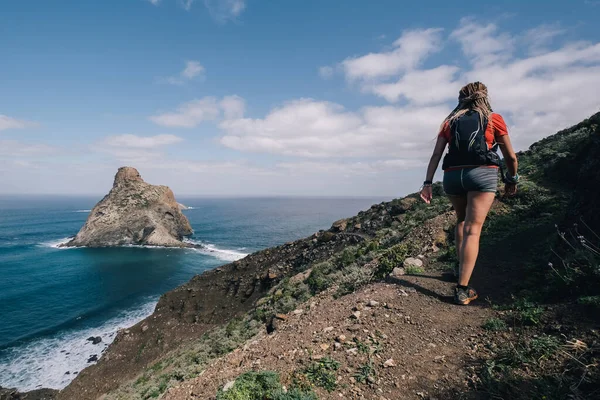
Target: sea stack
(134, 213)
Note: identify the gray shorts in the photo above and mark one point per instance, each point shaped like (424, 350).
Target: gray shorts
(458, 182)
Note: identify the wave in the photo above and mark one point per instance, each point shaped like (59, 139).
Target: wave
(207, 248)
(82, 211)
(213, 251)
(55, 361)
(56, 243)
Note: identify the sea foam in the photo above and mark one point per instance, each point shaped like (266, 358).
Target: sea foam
(213, 251)
(44, 362)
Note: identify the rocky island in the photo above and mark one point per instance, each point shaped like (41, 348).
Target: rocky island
(134, 213)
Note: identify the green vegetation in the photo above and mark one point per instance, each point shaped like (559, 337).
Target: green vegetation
(188, 361)
(322, 373)
(264, 385)
(413, 270)
(494, 324)
(365, 372)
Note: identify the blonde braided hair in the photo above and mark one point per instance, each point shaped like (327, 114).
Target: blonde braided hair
(472, 97)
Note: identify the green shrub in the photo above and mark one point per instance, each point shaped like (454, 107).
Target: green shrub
(322, 373)
(364, 372)
(494, 324)
(264, 385)
(413, 270)
(319, 278)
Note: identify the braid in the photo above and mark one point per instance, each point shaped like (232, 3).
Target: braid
(472, 97)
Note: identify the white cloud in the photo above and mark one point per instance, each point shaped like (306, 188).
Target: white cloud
(7, 122)
(233, 107)
(310, 128)
(225, 10)
(440, 86)
(537, 94)
(326, 72)
(154, 2)
(142, 142)
(482, 44)
(13, 148)
(540, 38)
(408, 52)
(187, 4)
(192, 70)
(190, 114)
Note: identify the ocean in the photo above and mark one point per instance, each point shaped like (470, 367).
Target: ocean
(52, 299)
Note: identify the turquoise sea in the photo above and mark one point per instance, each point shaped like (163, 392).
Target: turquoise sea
(52, 299)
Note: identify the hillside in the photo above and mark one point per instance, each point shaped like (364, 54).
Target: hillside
(324, 317)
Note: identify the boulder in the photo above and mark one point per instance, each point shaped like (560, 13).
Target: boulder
(340, 225)
(413, 262)
(134, 213)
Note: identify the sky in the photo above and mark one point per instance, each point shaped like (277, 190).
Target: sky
(274, 98)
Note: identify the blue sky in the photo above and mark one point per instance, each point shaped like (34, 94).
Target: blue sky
(249, 97)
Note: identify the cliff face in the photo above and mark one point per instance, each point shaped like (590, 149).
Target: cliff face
(134, 212)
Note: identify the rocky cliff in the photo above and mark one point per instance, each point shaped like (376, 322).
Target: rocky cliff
(134, 213)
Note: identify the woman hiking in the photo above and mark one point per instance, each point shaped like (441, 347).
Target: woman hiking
(473, 133)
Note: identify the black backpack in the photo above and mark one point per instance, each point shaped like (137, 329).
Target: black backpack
(467, 144)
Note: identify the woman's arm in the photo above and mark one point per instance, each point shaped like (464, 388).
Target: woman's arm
(438, 152)
(510, 158)
(509, 154)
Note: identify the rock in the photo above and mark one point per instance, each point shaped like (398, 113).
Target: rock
(324, 347)
(355, 315)
(228, 386)
(413, 262)
(134, 212)
(340, 225)
(328, 329)
(373, 303)
(94, 339)
(389, 363)
(144, 328)
(297, 312)
(93, 358)
(397, 272)
(326, 237)
(357, 226)
(370, 379)
(341, 338)
(403, 293)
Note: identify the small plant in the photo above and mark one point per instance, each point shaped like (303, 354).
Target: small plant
(413, 270)
(364, 372)
(593, 301)
(322, 373)
(494, 324)
(527, 312)
(262, 385)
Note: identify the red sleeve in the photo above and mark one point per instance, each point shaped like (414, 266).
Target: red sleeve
(445, 131)
(499, 125)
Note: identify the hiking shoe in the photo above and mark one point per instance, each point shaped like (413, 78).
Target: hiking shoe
(464, 296)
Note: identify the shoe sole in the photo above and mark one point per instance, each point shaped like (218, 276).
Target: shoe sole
(467, 301)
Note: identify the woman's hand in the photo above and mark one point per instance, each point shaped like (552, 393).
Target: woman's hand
(427, 194)
(510, 189)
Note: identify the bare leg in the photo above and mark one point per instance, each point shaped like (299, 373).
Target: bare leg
(478, 206)
(460, 207)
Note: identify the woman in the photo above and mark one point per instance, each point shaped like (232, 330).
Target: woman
(472, 132)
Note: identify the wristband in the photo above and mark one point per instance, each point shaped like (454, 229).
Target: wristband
(511, 179)
(427, 183)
